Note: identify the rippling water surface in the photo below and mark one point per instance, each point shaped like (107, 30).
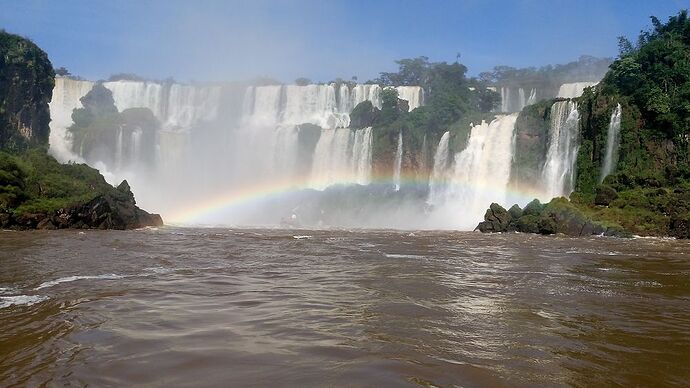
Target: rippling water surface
(209, 307)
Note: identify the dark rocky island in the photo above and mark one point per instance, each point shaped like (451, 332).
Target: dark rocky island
(37, 192)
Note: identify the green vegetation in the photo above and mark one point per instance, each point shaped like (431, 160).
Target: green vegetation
(651, 81)
(34, 182)
(26, 87)
(452, 102)
(649, 191)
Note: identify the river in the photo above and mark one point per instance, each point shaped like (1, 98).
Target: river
(257, 307)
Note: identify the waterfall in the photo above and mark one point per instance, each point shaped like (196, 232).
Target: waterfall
(362, 156)
(137, 94)
(320, 105)
(532, 97)
(135, 147)
(439, 172)
(118, 149)
(341, 156)
(397, 167)
(523, 102)
(284, 150)
(505, 95)
(188, 105)
(414, 95)
(480, 173)
(612, 143)
(66, 95)
(558, 174)
(574, 89)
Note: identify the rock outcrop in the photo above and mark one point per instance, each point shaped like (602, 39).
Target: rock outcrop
(557, 217)
(113, 210)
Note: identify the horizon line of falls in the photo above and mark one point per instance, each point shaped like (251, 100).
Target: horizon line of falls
(612, 143)
(558, 173)
(476, 176)
(397, 165)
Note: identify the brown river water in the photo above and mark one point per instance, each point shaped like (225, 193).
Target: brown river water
(238, 307)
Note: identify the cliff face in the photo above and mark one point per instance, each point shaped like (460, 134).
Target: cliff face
(26, 85)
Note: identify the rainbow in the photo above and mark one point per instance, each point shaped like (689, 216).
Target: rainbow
(275, 189)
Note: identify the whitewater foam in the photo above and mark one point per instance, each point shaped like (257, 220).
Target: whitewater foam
(76, 278)
(20, 300)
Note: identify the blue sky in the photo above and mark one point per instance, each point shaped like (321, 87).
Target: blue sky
(319, 39)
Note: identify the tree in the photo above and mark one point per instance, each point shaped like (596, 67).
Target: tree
(302, 81)
(63, 72)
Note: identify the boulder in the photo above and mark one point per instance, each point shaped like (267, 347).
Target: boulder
(515, 212)
(496, 219)
(527, 224)
(605, 194)
(533, 208)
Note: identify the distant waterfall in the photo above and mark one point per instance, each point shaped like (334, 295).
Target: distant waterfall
(512, 102)
(558, 174)
(414, 95)
(136, 94)
(612, 144)
(574, 89)
(135, 147)
(320, 105)
(439, 172)
(505, 99)
(66, 95)
(342, 156)
(480, 173)
(397, 167)
(118, 148)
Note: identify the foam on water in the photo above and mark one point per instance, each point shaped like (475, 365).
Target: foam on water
(20, 300)
(68, 279)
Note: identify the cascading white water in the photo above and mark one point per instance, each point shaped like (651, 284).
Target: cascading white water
(439, 173)
(135, 146)
(397, 167)
(118, 148)
(414, 95)
(66, 97)
(341, 156)
(137, 94)
(532, 97)
(361, 156)
(505, 96)
(612, 143)
(188, 105)
(573, 89)
(511, 102)
(558, 174)
(480, 174)
(320, 105)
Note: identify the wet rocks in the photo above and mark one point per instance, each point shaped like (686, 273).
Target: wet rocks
(114, 210)
(557, 217)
